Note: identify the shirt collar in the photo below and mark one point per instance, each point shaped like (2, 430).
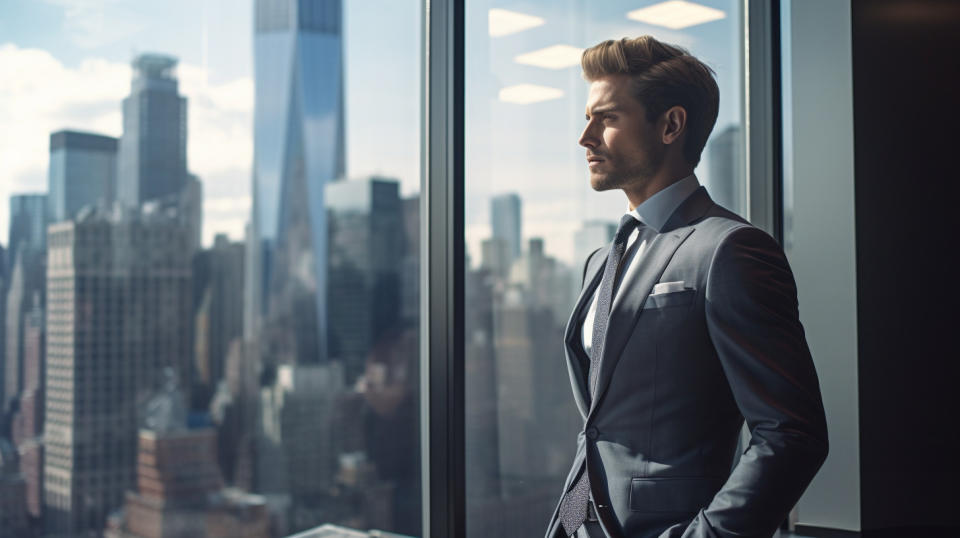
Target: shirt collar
(655, 211)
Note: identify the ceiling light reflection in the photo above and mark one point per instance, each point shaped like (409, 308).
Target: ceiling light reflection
(503, 22)
(676, 14)
(555, 57)
(525, 94)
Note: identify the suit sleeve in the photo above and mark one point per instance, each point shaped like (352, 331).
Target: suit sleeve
(753, 320)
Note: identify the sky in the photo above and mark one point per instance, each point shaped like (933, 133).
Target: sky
(65, 64)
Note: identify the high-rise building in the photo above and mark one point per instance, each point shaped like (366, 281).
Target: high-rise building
(83, 169)
(410, 263)
(28, 225)
(179, 491)
(592, 235)
(27, 427)
(298, 149)
(119, 310)
(506, 222)
(726, 181)
(218, 275)
(190, 210)
(365, 251)
(152, 159)
(13, 509)
(310, 451)
(27, 283)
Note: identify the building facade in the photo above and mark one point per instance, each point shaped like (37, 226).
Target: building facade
(152, 159)
(298, 149)
(119, 313)
(365, 220)
(218, 274)
(28, 224)
(83, 169)
(506, 222)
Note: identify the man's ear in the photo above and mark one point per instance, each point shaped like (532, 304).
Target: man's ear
(673, 123)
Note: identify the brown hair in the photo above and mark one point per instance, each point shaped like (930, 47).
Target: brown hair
(663, 76)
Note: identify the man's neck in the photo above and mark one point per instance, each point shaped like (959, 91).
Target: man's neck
(666, 176)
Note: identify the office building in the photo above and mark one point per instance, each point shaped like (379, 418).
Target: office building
(26, 290)
(365, 251)
(152, 159)
(506, 221)
(28, 225)
(13, 509)
(27, 424)
(119, 313)
(592, 235)
(179, 491)
(83, 169)
(726, 180)
(298, 150)
(218, 275)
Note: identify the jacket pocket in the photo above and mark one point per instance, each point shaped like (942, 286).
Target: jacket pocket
(671, 298)
(673, 494)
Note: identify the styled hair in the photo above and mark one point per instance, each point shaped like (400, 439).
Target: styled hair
(663, 76)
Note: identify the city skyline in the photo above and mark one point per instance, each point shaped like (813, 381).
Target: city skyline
(215, 46)
(297, 344)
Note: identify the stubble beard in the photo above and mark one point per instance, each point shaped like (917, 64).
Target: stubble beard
(632, 177)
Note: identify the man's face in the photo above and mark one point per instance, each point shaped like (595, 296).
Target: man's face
(623, 148)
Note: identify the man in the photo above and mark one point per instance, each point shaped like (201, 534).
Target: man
(686, 325)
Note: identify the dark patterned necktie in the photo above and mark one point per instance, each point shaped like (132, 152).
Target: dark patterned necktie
(573, 507)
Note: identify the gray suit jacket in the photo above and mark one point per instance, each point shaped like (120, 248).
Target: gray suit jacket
(681, 371)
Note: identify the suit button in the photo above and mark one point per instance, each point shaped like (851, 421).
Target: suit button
(592, 433)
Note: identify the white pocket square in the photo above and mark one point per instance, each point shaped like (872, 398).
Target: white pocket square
(667, 287)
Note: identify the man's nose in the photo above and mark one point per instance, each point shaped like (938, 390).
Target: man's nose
(587, 138)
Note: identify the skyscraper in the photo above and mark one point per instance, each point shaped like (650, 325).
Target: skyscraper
(13, 508)
(83, 169)
(365, 251)
(26, 289)
(118, 313)
(179, 488)
(28, 225)
(218, 274)
(298, 149)
(152, 161)
(592, 235)
(726, 182)
(506, 223)
(27, 424)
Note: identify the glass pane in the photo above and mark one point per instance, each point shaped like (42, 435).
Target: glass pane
(210, 289)
(532, 218)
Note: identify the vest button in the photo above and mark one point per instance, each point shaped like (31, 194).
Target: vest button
(592, 433)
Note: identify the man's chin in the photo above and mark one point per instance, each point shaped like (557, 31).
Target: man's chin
(603, 182)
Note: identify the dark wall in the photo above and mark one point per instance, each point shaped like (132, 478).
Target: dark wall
(907, 152)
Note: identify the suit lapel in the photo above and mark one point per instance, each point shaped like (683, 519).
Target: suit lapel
(626, 309)
(578, 374)
(625, 313)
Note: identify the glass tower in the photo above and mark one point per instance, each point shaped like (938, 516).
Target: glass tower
(298, 149)
(152, 161)
(82, 172)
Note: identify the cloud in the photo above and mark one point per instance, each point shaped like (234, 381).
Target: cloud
(93, 23)
(40, 95)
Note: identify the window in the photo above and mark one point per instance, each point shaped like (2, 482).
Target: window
(531, 219)
(234, 214)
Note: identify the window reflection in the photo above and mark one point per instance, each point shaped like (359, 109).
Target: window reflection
(531, 220)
